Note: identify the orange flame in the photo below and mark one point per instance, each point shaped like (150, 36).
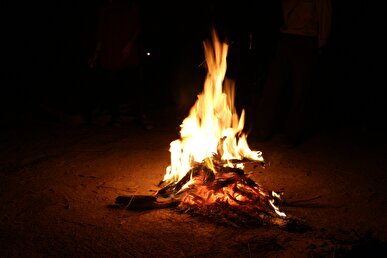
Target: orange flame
(213, 125)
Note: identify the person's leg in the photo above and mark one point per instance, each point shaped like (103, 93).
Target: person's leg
(132, 96)
(270, 101)
(302, 74)
(113, 94)
(142, 98)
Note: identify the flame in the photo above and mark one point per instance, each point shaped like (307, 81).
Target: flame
(213, 126)
(206, 171)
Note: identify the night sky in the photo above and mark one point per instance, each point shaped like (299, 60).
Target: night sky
(45, 48)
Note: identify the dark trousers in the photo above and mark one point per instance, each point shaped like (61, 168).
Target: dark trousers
(284, 99)
(114, 88)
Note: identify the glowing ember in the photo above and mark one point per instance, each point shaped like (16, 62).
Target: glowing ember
(206, 171)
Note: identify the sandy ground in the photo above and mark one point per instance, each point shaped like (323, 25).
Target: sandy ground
(57, 182)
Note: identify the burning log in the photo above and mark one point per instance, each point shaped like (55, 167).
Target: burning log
(224, 193)
(142, 202)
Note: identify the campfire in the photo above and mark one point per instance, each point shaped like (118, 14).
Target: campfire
(206, 175)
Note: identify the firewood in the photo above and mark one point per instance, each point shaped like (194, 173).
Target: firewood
(143, 202)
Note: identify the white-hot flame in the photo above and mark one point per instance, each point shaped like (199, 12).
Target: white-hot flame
(213, 125)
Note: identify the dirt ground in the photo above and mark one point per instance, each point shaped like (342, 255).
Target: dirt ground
(57, 181)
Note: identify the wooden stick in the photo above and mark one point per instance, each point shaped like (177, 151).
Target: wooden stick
(143, 202)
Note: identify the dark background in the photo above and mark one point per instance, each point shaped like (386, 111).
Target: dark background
(45, 47)
(56, 180)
